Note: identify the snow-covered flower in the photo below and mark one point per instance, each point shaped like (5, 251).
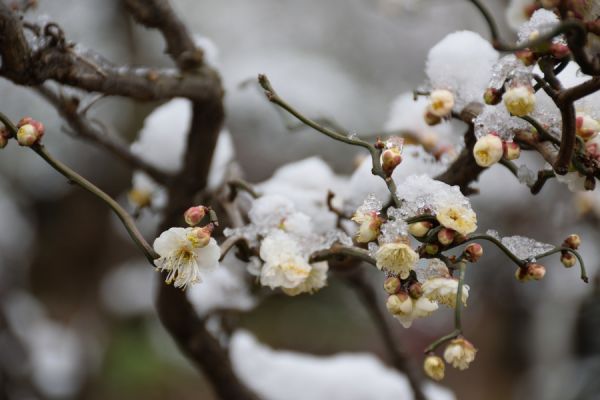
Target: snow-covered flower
(462, 219)
(434, 367)
(441, 102)
(406, 309)
(316, 279)
(284, 266)
(444, 291)
(519, 100)
(460, 353)
(370, 223)
(396, 257)
(183, 256)
(586, 126)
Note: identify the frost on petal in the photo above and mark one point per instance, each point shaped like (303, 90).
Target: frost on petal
(461, 63)
(287, 375)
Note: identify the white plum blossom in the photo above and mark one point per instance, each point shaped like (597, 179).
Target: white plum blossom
(284, 264)
(316, 279)
(184, 257)
(406, 309)
(460, 353)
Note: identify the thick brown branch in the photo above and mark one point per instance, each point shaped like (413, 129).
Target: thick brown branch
(159, 14)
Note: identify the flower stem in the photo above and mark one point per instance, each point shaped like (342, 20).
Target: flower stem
(584, 276)
(125, 218)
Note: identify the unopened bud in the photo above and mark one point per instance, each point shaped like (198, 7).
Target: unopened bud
(419, 229)
(488, 150)
(586, 127)
(573, 241)
(473, 252)
(392, 285)
(432, 249)
(28, 135)
(434, 367)
(431, 119)
(567, 259)
(526, 56)
(560, 50)
(492, 96)
(511, 150)
(194, 215)
(400, 303)
(535, 271)
(445, 236)
(519, 100)
(590, 183)
(4, 137)
(203, 235)
(441, 102)
(390, 159)
(415, 290)
(30, 121)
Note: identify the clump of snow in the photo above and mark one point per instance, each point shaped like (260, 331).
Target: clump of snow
(541, 22)
(516, 13)
(462, 63)
(422, 194)
(287, 375)
(521, 246)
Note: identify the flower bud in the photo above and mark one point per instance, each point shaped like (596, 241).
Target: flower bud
(535, 271)
(585, 126)
(370, 222)
(526, 56)
(432, 249)
(488, 150)
(434, 367)
(441, 102)
(511, 150)
(431, 119)
(36, 124)
(492, 96)
(521, 274)
(445, 236)
(400, 303)
(415, 290)
(560, 50)
(392, 285)
(419, 229)
(567, 259)
(4, 137)
(590, 183)
(572, 241)
(460, 353)
(473, 252)
(194, 215)
(28, 135)
(202, 235)
(390, 159)
(519, 100)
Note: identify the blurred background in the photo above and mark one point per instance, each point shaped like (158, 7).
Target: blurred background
(76, 316)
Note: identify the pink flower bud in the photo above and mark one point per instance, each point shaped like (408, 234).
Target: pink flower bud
(37, 124)
(203, 235)
(194, 215)
(445, 236)
(560, 50)
(28, 135)
(536, 271)
(473, 252)
(511, 150)
(572, 241)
